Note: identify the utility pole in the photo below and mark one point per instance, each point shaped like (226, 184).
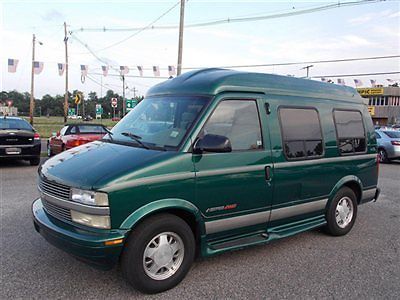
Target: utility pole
(32, 102)
(307, 68)
(134, 90)
(66, 73)
(123, 96)
(181, 23)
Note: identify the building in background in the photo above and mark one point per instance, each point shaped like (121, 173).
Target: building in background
(383, 104)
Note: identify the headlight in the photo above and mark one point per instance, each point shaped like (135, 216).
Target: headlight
(96, 221)
(89, 197)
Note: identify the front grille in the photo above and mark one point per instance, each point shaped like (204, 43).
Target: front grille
(54, 189)
(55, 211)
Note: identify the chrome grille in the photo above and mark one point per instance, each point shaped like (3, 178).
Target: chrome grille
(54, 189)
(55, 211)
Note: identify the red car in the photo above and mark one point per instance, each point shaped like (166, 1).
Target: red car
(73, 135)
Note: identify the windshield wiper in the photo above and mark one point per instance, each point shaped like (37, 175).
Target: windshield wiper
(136, 138)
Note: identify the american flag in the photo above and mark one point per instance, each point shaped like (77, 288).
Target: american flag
(12, 65)
(105, 70)
(61, 68)
(37, 67)
(171, 71)
(390, 80)
(373, 82)
(140, 69)
(124, 70)
(84, 70)
(340, 81)
(358, 82)
(323, 79)
(156, 71)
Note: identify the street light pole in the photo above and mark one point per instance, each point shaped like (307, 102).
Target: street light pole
(66, 73)
(123, 96)
(32, 100)
(181, 24)
(307, 68)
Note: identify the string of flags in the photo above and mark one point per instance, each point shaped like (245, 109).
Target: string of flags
(123, 70)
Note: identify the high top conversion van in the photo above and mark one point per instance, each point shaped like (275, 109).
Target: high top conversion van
(211, 161)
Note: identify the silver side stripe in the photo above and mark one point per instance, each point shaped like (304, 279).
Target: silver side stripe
(263, 217)
(237, 222)
(323, 160)
(230, 170)
(368, 194)
(294, 210)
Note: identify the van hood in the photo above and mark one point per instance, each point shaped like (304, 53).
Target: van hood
(92, 165)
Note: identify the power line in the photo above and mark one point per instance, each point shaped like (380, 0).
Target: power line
(237, 19)
(301, 63)
(358, 75)
(133, 76)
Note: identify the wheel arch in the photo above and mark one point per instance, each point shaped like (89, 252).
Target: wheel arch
(178, 207)
(352, 182)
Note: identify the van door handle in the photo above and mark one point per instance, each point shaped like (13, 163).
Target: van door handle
(268, 173)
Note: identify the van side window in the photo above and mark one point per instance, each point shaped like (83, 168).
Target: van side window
(350, 131)
(238, 120)
(301, 133)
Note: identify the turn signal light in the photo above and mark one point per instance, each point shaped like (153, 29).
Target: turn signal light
(113, 242)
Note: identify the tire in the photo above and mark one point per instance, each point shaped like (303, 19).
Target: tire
(342, 212)
(383, 157)
(35, 161)
(149, 275)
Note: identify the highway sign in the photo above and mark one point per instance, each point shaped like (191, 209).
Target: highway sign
(71, 111)
(99, 111)
(130, 104)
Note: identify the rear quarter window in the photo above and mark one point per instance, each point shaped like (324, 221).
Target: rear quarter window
(350, 131)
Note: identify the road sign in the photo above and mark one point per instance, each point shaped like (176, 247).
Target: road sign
(99, 111)
(78, 98)
(71, 111)
(114, 102)
(130, 104)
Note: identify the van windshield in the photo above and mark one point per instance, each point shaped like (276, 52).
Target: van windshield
(159, 122)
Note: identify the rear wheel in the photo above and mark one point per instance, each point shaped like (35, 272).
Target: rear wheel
(158, 253)
(35, 161)
(342, 212)
(383, 157)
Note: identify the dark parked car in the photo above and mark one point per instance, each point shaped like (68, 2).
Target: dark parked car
(388, 144)
(87, 118)
(73, 135)
(18, 139)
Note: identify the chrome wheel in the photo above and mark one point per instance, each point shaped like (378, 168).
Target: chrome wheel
(382, 155)
(344, 212)
(163, 256)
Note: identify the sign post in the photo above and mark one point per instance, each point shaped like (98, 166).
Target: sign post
(114, 103)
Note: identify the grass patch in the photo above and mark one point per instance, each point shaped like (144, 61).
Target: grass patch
(47, 125)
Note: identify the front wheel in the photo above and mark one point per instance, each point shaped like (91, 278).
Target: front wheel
(158, 253)
(342, 212)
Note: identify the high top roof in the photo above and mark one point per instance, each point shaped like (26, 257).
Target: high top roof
(214, 81)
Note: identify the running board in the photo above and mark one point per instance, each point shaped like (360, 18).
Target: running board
(290, 229)
(240, 242)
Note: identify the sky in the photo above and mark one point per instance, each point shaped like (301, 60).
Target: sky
(366, 30)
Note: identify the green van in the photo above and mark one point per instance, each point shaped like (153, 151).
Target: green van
(211, 161)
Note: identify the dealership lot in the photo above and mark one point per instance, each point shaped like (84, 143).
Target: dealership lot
(363, 264)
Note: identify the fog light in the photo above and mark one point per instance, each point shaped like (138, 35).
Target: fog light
(96, 221)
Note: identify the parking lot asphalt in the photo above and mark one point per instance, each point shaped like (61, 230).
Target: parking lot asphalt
(363, 264)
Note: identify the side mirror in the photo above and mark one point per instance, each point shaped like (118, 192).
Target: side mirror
(212, 143)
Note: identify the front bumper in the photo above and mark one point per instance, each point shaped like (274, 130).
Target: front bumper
(83, 244)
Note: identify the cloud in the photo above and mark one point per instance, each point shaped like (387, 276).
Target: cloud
(366, 18)
(53, 15)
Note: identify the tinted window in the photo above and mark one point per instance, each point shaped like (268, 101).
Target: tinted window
(63, 130)
(350, 131)
(73, 130)
(392, 134)
(301, 132)
(6, 123)
(378, 136)
(91, 129)
(237, 120)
